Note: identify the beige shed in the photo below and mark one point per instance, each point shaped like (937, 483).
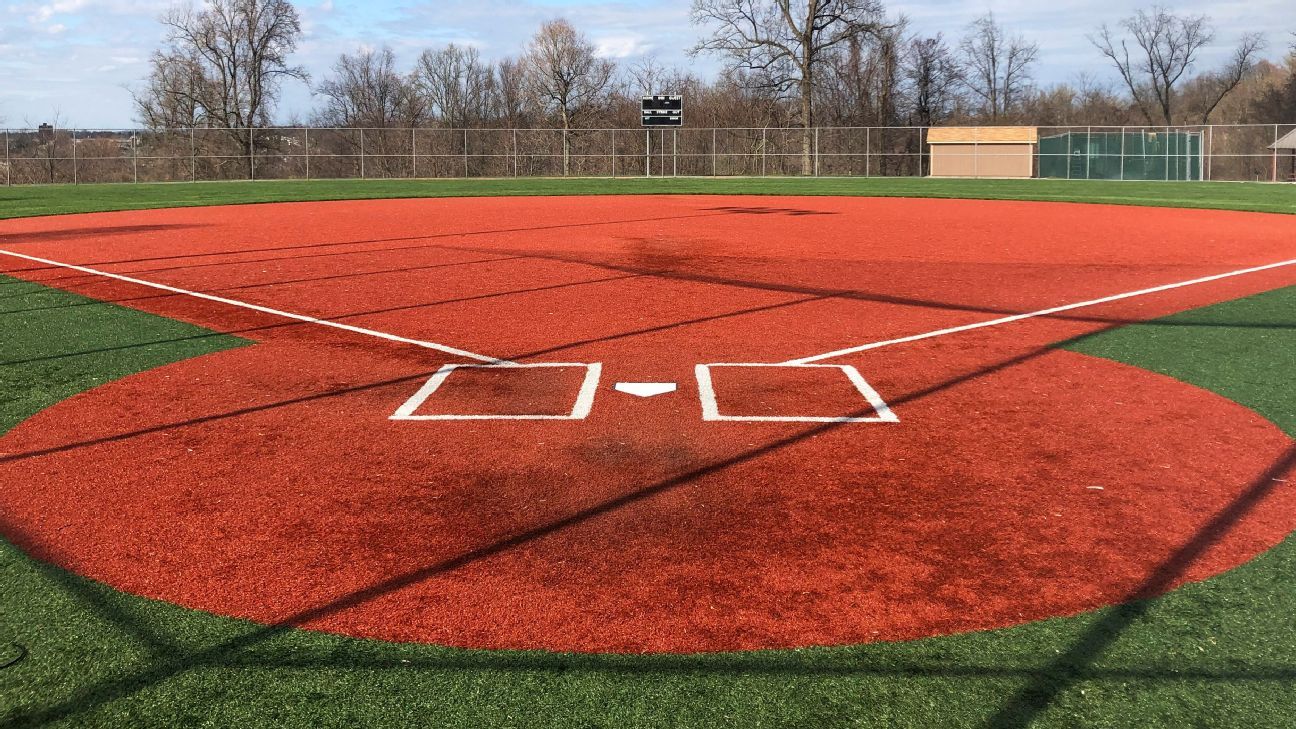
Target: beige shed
(983, 151)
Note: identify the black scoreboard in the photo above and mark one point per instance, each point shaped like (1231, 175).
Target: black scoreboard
(662, 110)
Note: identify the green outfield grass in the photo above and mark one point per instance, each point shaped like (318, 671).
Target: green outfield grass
(1216, 653)
(53, 199)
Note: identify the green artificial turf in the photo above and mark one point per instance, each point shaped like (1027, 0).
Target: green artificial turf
(1217, 653)
(46, 200)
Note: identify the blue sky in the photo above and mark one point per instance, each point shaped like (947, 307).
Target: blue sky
(78, 57)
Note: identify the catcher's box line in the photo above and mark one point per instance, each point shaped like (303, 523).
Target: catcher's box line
(265, 309)
(1030, 315)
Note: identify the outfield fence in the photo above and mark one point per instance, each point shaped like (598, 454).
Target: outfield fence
(1242, 152)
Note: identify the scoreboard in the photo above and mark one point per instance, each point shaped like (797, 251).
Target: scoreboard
(662, 110)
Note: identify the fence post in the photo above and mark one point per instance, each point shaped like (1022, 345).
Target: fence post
(252, 154)
(920, 151)
(614, 174)
(76, 178)
(714, 152)
(868, 142)
(1088, 152)
(764, 139)
(647, 152)
(661, 164)
(465, 131)
(1122, 154)
(362, 157)
(816, 152)
(1209, 153)
(193, 157)
(1070, 149)
(674, 153)
(413, 153)
(1201, 156)
(1275, 154)
(8, 165)
(515, 153)
(135, 156)
(308, 155)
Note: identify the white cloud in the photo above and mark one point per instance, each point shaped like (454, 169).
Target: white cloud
(621, 46)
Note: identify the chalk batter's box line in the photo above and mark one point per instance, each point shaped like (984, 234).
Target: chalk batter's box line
(711, 406)
(580, 410)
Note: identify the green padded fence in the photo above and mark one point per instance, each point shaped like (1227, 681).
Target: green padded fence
(1122, 156)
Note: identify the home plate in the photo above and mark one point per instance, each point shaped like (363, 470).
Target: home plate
(645, 389)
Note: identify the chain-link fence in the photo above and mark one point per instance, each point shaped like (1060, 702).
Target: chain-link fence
(1250, 152)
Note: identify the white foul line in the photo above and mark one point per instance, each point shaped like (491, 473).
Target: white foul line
(1031, 315)
(265, 309)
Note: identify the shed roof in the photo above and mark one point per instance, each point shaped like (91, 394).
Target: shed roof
(1288, 141)
(982, 135)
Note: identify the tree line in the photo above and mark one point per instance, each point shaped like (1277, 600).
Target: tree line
(786, 63)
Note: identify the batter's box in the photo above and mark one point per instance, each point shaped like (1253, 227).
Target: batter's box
(789, 393)
(505, 391)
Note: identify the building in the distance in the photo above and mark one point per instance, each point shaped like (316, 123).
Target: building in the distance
(982, 151)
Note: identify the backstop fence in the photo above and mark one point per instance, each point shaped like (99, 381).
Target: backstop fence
(1243, 152)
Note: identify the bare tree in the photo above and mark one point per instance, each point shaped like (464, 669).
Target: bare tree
(52, 142)
(736, 99)
(1279, 101)
(366, 90)
(566, 77)
(933, 79)
(511, 102)
(1167, 47)
(786, 43)
(998, 67)
(649, 76)
(863, 83)
(171, 98)
(456, 84)
(1235, 71)
(223, 66)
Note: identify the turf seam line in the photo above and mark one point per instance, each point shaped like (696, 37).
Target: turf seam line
(266, 310)
(1033, 314)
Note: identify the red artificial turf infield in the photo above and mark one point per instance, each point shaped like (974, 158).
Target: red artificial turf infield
(268, 483)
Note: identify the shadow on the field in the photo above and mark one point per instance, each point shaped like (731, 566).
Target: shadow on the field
(533, 353)
(848, 294)
(1068, 667)
(338, 318)
(332, 244)
(785, 663)
(48, 236)
(75, 586)
(646, 271)
(1044, 683)
(760, 210)
(172, 665)
(242, 287)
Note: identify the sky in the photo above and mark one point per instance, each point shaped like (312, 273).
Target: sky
(77, 59)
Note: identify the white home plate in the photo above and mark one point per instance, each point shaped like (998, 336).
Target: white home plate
(645, 389)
